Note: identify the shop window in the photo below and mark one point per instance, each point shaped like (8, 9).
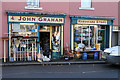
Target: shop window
(85, 36)
(33, 4)
(86, 4)
(24, 30)
(23, 35)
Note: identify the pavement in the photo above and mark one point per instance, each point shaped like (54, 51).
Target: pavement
(53, 62)
(102, 71)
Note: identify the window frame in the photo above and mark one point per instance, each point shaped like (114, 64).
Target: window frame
(86, 8)
(33, 4)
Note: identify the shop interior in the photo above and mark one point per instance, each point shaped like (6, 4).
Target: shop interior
(45, 43)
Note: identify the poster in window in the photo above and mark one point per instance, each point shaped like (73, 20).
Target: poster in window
(16, 28)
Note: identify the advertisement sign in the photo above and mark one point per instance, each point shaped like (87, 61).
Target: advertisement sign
(36, 19)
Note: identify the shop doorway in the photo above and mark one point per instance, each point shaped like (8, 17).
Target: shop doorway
(101, 38)
(50, 39)
(45, 43)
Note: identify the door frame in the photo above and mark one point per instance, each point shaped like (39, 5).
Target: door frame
(61, 37)
(104, 38)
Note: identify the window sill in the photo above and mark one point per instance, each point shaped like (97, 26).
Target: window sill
(87, 8)
(33, 8)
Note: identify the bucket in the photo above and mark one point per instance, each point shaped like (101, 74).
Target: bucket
(96, 55)
(11, 59)
(84, 56)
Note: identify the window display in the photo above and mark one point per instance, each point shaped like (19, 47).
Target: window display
(56, 38)
(92, 36)
(84, 36)
(22, 36)
(28, 30)
(23, 48)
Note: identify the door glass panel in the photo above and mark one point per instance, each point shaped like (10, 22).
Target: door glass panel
(100, 36)
(101, 40)
(56, 38)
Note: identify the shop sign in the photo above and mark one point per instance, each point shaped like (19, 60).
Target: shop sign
(81, 21)
(35, 19)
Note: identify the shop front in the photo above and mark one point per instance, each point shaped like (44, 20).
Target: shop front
(32, 33)
(90, 35)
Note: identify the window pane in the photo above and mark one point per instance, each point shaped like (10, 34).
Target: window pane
(38, 3)
(78, 36)
(86, 3)
(56, 38)
(20, 44)
(28, 2)
(35, 2)
(92, 36)
(32, 2)
(85, 36)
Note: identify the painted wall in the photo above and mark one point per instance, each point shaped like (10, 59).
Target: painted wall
(119, 13)
(109, 9)
(119, 22)
(1, 29)
(69, 8)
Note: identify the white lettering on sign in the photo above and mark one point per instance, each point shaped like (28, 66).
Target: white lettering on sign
(35, 19)
(80, 21)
